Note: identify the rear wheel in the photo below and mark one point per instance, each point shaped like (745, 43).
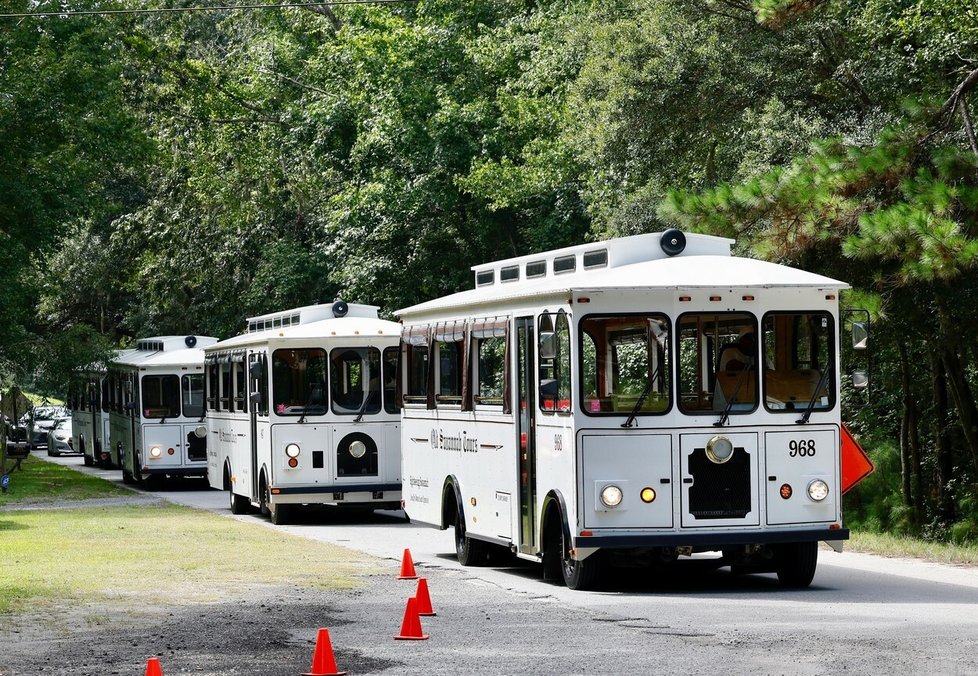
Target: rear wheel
(578, 574)
(81, 444)
(470, 552)
(279, 514)
(795, 563)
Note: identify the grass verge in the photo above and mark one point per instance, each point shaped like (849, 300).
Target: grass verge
(152, 554)
(40, 481)
(912, 548)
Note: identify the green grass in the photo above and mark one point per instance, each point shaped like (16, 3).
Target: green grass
(128, 557)
(908, 547)
(38, 481)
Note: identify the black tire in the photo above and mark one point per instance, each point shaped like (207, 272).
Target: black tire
(263, 498)
(239, 503)
(127, 477)
(578, 575)
(795, 564)
(280, 514)
(81, 445)
(470, 552)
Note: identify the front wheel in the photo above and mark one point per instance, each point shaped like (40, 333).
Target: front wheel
(470, 552)
(795, 564)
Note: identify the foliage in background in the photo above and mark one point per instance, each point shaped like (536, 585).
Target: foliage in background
(177, 173)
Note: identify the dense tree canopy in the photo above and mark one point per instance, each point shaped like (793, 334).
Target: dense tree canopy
(177, 172)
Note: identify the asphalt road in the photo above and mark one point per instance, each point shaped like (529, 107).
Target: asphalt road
(863, 614)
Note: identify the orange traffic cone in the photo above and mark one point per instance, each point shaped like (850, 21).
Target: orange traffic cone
(424, 600)
(323, 662)
(411, 626)
(153, 667)
(407, 567)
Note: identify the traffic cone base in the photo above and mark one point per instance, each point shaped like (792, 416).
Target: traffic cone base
(153, 667)
(411, 626)
(407, 567)
(424, 600)
(323, 662)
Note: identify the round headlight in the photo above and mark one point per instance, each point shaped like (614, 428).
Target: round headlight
(155, 452)
(358, 449)
(292, 450)
(200, 431)
(611, 495)
(818, 490)
(719, 449)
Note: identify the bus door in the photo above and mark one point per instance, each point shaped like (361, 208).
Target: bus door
(526, 433)
(256, 379)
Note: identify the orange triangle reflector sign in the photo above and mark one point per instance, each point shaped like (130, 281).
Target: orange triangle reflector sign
(856, 464)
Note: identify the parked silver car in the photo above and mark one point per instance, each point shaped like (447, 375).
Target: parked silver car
(59, 437)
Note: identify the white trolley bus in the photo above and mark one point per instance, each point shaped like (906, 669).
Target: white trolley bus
(301, 410)
(650, 396)
(89, 415)
(155, 399)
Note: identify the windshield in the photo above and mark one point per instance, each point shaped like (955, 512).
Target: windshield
(717, 362)
(622, 359)
(192, 393)
(355, 377)
(299, 381)
(798, 348)
(161, 396)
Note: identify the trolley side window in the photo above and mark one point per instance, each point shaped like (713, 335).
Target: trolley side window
(554, 363)
(354, 374)
(718, 357)
(798, 357)
(488, 347)
(213, 380)
(161, 396)
(450, 362)
(625, 364)
(240, 387)
(299, 381)
(415, 358)
(192, 394)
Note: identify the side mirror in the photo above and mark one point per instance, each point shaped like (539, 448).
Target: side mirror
(548, 345)
(256, 398)
(255, 370)
(860, 335)
(130, 406)
(860, 379)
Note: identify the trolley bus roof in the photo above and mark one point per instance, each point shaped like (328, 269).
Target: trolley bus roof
(681, 272)
(350, 327)
(164, 351)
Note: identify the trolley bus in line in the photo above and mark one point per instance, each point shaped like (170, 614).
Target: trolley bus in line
(650, 396)
(89, 416)
(301, 411)
(155, 400)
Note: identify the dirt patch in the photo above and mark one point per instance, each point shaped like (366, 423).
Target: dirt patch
(270, 633)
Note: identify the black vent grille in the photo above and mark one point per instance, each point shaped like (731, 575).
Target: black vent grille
(719, 491)
(196, 447)
(347, 465)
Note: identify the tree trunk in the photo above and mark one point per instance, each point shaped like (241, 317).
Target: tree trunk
(944, 465)
(906, 423)
(957, 381)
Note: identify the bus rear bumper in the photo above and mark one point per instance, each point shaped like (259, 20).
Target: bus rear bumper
(708, 540)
